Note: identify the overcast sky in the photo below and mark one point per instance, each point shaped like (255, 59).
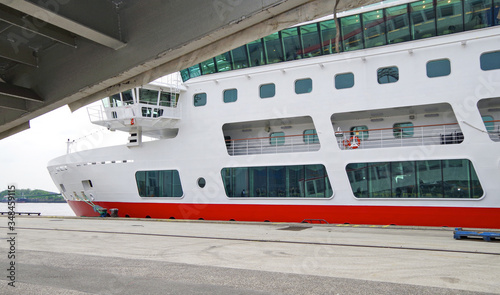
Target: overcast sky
(24, 156)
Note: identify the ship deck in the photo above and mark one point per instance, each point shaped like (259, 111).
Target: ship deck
(57, 255)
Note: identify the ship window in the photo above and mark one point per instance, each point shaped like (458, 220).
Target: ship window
(127, 97)
(328, 33)
(438, 68)
(303, 86)
(351, 32)
(488, 123)
(168, 99)
(63, 189)
(402, 130)
(490, 61)
(388, 75)
(159, 183)
(87, 184)
(360, 131)
(277, 138)
(201, 182)
(208, 66)
(374, 28)
(200, 99)
(343, 81)
(274, 49)
(230, 95)
(223, 62)
(300, 181)
(256, 52)
(267, 90)
(310, 136)
(449, 16)
(423, 19)
(478, 14)
(194, 71)
(148, 96)
(291, 43)
(310, 40)
(240, 57)
(398, 24)
(114, 101)
(415, 179)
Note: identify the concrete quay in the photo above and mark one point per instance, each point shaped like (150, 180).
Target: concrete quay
(55, 255)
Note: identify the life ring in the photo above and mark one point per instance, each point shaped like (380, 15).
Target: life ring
(354, 142)
(132, 121)
(346, 143)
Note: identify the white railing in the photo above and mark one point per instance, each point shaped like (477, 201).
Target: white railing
(139, 110)
(403, 136)
(493, 129)
(273, 145)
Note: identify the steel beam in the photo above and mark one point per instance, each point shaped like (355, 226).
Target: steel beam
(17, 52)
(13, 103)
(19, 92)
(63, 22)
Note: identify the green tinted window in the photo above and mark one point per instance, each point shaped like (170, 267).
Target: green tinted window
(239, 57)
(360, 131)
(488, 123)
(343, 81)
(208, 67)
(256, 53)
(438, 68)
(402, 130)
(398, 24)
(310, 136)
(160, 183)
(274, 49)
(478, 14)
(374, 28)
(303, 86)
(490, 61)
(148, 96)
(423, 19)
(328, 33)
(291, 43)
(200, 99)
(277, 138)
(449, 16)
(351, 32)
(310, 40)
(415, 179)
(223, 62)
(230, 95)
(267, 90)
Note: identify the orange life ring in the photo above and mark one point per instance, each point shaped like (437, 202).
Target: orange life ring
(132, 121)
(354, 142)
(346, 143)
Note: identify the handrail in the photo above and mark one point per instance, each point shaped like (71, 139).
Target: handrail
(403, 127)
(281, 136)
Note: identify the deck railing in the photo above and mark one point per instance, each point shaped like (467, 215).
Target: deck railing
(273, 145)
(400, 137)
(493, 129)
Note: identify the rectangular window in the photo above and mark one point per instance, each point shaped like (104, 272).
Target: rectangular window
(351, 32)
(291, 43)
(343, 81)
(200, 99)
(310, 136)
(230, 95)
(127, 97)
(415, 179)
(488, 123)
(360, 131)
(303, 86)
(438, 68)
(374, 28)
(223, 62)
(277, 138)
(310, 40)
(299, 181)
(147, 96)
(256, 53)
(402, 130)
(159, 183)
(478, 14)
(490, 61)
(208, 67)
(328, 33)
(449, 16)
(423, 19)
(239, 56)
(274, 49)
(388, 75)
(267, 90)
(398, 24)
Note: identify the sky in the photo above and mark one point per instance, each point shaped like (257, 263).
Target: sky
(24, 156)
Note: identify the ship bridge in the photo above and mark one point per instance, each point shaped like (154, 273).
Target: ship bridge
(69, 52)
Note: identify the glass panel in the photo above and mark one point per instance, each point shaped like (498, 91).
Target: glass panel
(295, 180)
(475, 189)
(423, 19)
(185, 75)
(115, 100)
(314, 185)
(291, 43)
(403, 180)
(194, 71)
(438, 68)
(449, 16)
(310, 136)
(455, 178)
(240, 57)
(343, 81)
(328, 33)
(208, 66)
(230, 95)
(429, 179)
(303, 86)
(490, 61)
(148, 96)
(388, 75)
(127, 97)
(478, 14)
(274, 49)
(267, 90)
(398, 24)
(223, 62)
(163, 183)
(256, 52)
(360, 131)
(258, 182)
(488, 123)
(240, 182)
(277, 138)
(402, 130)
(351, 32)
(358, 179)
(496, 13)
(374, 28)
(276, 180)
(379, 180)
(168, 99)
(310, 40)
(200, 99)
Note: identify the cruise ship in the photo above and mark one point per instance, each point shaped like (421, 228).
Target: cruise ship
(386, 115)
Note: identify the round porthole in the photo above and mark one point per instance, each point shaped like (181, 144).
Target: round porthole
(201, 182)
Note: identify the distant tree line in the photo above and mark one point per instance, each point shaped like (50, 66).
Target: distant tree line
(36, 195)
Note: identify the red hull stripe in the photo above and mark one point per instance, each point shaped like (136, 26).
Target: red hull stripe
(381, 215)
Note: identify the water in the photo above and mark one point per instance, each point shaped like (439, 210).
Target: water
(46, 209)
